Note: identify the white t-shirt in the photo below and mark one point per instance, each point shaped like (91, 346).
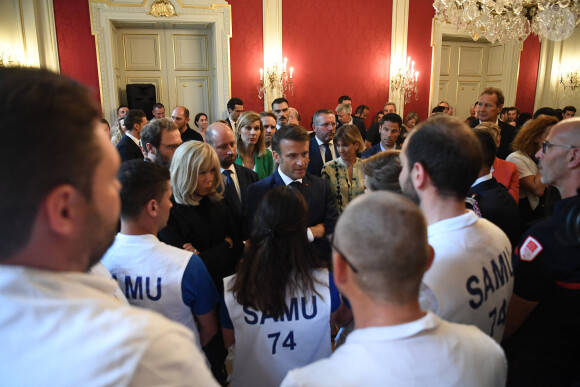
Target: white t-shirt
(66, 329)
(266, 349)
(425, 352)
(156, 276)
(526, 167)
(472, 273)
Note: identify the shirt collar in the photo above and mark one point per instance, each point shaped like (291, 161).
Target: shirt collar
(320, 142)
(135, 140)
(482, 179)
(395, 332)
(286, 179)
(230, 168)
(455, 223)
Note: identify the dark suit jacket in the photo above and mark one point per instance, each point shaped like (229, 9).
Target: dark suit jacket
(498, 206)
(190, 134)
(356, 122)
(374, 150)
(128, 149)
(238, 209)
(508, 133)
(318, 196)
(373, 135)
(316, 163)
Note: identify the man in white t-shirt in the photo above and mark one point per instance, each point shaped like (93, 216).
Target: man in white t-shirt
(152, 274)
(59, 207)
(394, 341)
(472, 274)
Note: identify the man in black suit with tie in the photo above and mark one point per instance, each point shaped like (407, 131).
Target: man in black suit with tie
(345, 117)
(129, 147)
(322, 148)
(290, 150)
(490, 105)
(389, 130)
(235, 110)
(236, 177)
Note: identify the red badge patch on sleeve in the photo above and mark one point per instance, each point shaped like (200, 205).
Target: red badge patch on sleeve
(530, 249)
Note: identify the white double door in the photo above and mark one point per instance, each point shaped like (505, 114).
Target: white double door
(176, 61)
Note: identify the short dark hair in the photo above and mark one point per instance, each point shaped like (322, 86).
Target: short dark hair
(233, 102)
(141, 181)
(289, 132)
(488, 146)
(121, 106)
(343, 98)
(157, 105)
(438, 109)
(548, 111)
(104, 121)
(392, 117)
(449, 152)
(514, 108)
(54, 146)
(133, 116)
(361, 108)
(320, 112)
(198, 116)
(151, 133)
(504, 110)
(382, 171)
(278, 101)
(569, 109)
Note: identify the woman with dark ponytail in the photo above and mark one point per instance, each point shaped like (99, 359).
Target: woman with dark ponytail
(278, 309)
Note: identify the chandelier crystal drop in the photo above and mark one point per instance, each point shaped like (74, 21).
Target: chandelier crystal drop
(502, 21)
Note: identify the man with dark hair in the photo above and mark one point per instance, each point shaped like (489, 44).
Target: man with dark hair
(159, 140)
(513, 114)
(129, 147)
(237, 178)
(361, 112)
(345, 99)
(381, 282)
(322, 148)
(373, 133)
(180, 116)
(269, 123)
(381, 171)
(158, 110)
(544, 312)
(492, 199)
(390, 130)
(446, 107)
(290, 150)
(548, 111)
(440, 160)
(438, 110)
(489, 106)
(503, 115)
(59, 208)
(569, 112)
(177, 283)
(281, 110)
(235, 110)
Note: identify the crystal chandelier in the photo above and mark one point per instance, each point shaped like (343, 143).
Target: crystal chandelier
(405, 80)
(571, 80)
(276, 79)
(501, 21)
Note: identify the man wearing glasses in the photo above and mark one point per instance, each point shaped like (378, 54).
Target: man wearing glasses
(544, 312)
(159, 140)
(322, 148)
(392, 333)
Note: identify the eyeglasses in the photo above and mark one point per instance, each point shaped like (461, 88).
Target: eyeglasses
(348, 262)
(328, 124)
(547, 144)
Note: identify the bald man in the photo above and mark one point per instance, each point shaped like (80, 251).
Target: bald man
(544, 313)
(392, 332)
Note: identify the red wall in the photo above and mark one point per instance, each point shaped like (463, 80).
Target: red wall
(528, 76)
(76, 46)
(421, 13)
(337, 48)
(247, 52)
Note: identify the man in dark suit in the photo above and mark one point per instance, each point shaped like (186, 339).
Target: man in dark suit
(344, 117)
(129, 147)
(322, 148)
(235, 110)
(492, 199)
(180, 116)
(236, 178)
(389, 130)
(290, 150)
(490, 105)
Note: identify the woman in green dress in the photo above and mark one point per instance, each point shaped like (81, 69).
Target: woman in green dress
(251, 144)
(345, 173)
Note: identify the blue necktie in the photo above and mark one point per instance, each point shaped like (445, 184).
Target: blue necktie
(327, 153)
(227, 173)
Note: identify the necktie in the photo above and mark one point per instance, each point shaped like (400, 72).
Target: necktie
(296, 185)
(327, 153)
(227, 173)
(231, 191)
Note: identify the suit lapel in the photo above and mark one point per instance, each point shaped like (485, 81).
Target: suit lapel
(307, 189)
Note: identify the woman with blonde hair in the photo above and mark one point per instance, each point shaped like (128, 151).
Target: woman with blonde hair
(251, 145)
(199, 220)
(526, 144)
(505, 172)
(345, 173)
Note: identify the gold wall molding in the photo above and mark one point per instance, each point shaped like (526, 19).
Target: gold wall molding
(162, 8)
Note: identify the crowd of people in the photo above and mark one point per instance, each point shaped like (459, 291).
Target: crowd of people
(436, 252)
